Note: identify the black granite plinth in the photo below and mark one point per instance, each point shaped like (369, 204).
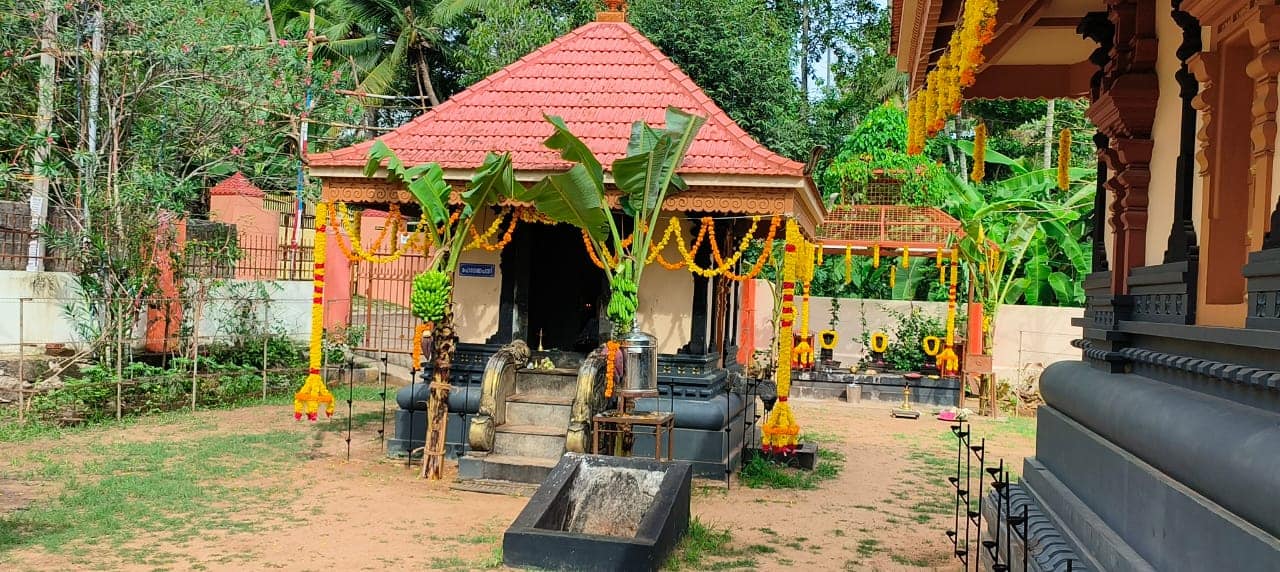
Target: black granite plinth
(804, 457)
(602, 513)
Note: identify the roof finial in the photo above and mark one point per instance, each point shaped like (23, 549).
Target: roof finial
(617, 11)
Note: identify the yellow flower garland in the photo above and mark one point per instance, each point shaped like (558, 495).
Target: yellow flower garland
(313, 391)
(875, 256)
(780, 430)
(848, 265)
(824, 335)
(356, 251)
(482, 240)
(931, 345)
(957, 67)
(879, 342)
(1064, 159)
(979, 153)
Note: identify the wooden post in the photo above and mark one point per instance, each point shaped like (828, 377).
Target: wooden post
(266, 338)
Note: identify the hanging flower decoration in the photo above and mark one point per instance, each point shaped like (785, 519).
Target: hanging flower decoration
(482, 241)
(808, 262)
(947, 361)
(893, 277)
(722, 266)
(875, 256)
(906, 258)
(827, 339)
(848, 265)
(1064, 159)
(957, 68)
(879, 342)
(780, 430)
(979, 153)
(610, 367)
(313, 391)
(931, 345)
(348, 237)
(417, 344)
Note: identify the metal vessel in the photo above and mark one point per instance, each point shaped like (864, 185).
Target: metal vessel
(640, 364)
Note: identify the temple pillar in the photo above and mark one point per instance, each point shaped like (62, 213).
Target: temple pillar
(1124, 110)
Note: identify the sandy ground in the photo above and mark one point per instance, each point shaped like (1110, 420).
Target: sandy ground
(371, 513)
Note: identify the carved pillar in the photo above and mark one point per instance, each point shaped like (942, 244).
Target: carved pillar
(1096, 27)
(1182, 245)
(1125, 111)
(1099, 232)
(1264, 34)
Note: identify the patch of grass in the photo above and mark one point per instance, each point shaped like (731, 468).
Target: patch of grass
(479, 539)
(786, 561)
(760, 473)
(740, 563)
(493, 560)
(358, 421)
(761, 549)
(837, 532)
(868, 546)
(908, 561)
(819, 437)
(178, 490)
(794, 545)
(767, 530)
(447, 563)
(700, 542)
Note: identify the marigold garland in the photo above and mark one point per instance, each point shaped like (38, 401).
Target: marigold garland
(313, 391)
(893, 277)
(879, 342)
(825, 335)
(906, 258)
(875, 256)
(1064, 159)
(417, 344)
(482, 240)
(848, 265)
(355, 251)
(721, 266)
(957, 67)
(931, 345)
(610, 367)
(780, 430)
(979, 153)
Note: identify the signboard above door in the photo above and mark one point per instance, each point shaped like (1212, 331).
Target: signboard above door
(477, 270)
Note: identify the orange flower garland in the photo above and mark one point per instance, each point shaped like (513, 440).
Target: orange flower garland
(957, 68)
(979, 153)
(610, 367)
(482, 241)
(1064, 159)
(417, 344)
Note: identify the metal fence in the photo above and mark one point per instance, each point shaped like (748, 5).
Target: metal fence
(16, 236)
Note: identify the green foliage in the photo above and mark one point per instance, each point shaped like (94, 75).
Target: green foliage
(741, 53)
(761, 473)
(906, 351)
(700, 544)
(877, 150)
(430, 295)
(645, 176)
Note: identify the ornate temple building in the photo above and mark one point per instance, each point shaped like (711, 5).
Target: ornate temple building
(542, 288)
(1160, 448)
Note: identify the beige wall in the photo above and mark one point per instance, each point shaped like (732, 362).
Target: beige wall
(1166, 134)
(665, 297)
(1027, 337)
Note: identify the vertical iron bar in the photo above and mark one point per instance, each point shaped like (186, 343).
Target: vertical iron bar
(968, 476)
(955, 527)
(1008, 532)
(382, 433)
(1026, 543)
(982, 469)
(351, 374)
(413, 389)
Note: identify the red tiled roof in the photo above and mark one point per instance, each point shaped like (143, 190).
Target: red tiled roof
(600, 78)
(236, 184)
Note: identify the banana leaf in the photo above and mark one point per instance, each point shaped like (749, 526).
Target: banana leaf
(572, 197)
(574, 150)
(425, 182)
(493, 182)
(645, 178)
(995, 157)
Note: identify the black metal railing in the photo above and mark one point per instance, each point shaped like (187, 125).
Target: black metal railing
(987, 541)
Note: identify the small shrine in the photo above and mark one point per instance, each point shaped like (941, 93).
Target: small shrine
(532, 306)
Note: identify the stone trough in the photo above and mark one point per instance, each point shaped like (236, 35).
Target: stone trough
(602, 513)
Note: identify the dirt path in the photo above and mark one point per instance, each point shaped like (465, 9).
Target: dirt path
(294, 501)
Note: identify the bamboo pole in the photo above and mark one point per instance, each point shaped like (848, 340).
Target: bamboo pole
(195, 361)
(119, 365)
(45, 95)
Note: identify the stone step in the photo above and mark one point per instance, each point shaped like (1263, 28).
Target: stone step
(518, 469)
(535, 410)
(548, 383)
(530, 440)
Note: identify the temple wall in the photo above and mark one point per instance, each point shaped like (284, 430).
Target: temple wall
(666, 296)
(1166, 134)
(1028, 338)
(476, 298)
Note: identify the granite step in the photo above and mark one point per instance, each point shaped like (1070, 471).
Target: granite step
(514, 468)
(562, 383)
(544, 411)
(540, 441)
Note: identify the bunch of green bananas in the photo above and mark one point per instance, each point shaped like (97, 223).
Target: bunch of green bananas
(623, 295)
(430, 295)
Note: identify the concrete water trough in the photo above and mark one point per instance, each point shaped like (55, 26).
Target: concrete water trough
(602, 513)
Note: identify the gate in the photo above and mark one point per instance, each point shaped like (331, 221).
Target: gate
(381, 303)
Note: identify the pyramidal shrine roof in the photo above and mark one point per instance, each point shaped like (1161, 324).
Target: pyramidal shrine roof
(600, 78)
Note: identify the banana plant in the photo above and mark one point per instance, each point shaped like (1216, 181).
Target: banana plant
(447, 228)
(644, 179)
